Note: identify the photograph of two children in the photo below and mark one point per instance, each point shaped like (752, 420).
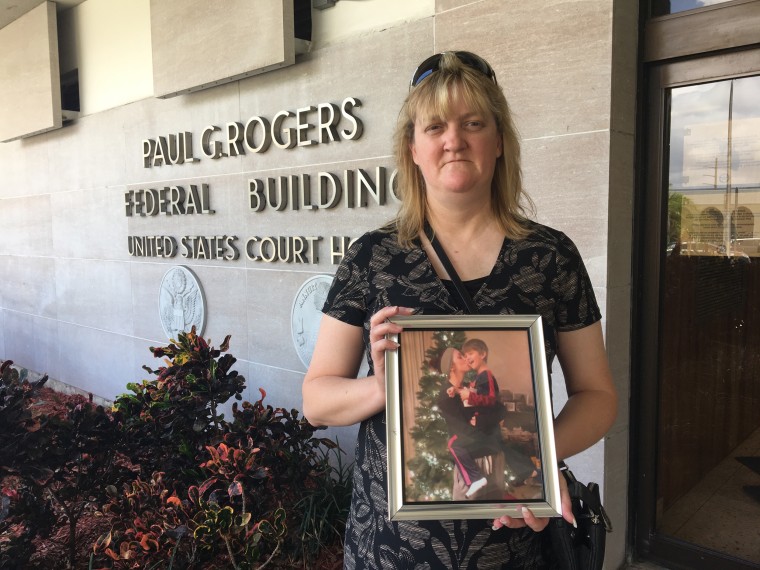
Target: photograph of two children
(473, 418)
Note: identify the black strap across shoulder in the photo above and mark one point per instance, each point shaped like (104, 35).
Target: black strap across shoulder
(469, 304)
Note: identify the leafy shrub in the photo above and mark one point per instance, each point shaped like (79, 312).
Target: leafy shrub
(23, 513)
(299, 473)
(58, 463)
(169, 421)
(176, 484)
(261, 500)
(237, 488)
(148, 517)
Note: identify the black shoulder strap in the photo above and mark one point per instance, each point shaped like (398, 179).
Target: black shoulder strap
(469, 304)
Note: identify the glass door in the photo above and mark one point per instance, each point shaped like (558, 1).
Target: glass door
(700, 455)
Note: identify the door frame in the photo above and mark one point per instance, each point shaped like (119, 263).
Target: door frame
(649, 229)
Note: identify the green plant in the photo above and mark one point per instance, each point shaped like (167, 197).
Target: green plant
(16, 421)
(60, 462)
(268, 470)
(323, 508)
(254, 491)
(78, 456)
(682, 214)
(170, 420)
(221, 519)
(300, 476)
(150, 525)
(24, 514)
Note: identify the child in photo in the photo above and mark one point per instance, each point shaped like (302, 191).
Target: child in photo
(484, 390)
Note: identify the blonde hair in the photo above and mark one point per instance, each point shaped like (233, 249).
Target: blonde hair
(433, 97)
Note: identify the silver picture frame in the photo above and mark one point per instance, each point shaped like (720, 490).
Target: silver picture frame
(428, 476)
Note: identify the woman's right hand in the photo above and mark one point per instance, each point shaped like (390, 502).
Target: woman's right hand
(379, 327)
(332, 394)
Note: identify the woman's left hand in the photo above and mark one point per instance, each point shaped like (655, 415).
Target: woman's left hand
(539, 523)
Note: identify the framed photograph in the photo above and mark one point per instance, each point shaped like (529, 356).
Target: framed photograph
(469, 419)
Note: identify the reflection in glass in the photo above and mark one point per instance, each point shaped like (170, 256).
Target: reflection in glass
(708, 479)
(662, 7)
(714, 176)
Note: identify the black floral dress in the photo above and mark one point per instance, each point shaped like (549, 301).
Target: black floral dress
(540, 274)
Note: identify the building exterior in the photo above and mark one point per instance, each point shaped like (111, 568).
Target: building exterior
(250, 144)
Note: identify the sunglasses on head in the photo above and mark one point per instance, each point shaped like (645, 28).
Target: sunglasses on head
(433, 63)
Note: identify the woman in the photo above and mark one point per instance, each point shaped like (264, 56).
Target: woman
(459, 171)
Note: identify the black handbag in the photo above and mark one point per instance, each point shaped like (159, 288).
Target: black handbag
(581, 548)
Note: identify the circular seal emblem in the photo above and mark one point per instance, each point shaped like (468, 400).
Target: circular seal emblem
(180, 302)
(306, 314)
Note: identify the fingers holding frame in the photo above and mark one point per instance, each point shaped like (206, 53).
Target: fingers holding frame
(538, 524)
(379, 329)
